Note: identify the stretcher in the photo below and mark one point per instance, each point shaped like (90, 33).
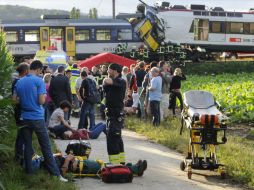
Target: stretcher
(207, 126)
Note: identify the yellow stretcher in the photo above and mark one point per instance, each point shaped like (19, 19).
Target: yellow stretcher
(206, 124)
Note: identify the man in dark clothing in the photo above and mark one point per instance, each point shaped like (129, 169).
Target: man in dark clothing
(87, 108)
(140, 75)
(59, 89)
(115, 87)
(23, 70)
(174, 90)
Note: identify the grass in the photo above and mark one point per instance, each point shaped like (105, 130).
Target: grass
(13, 176)
(237, 154)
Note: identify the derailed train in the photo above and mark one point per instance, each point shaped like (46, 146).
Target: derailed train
(160, 32)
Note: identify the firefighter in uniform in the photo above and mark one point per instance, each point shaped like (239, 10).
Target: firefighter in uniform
(74, 76)
(114, 87)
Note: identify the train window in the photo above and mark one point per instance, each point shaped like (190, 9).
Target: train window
(70, 35)
(45, 35)
(103, 35)
(124, 34)
(251, 28)
(32, 36)
(82, 35)
(236, 27)
(246, 28)
(11, 36)
(216, 27)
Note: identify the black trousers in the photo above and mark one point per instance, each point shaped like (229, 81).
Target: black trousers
(172, 102)
(155, 111)
(114, 134)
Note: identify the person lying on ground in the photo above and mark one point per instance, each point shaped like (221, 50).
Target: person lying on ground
(57, 124)
(71, 164)
(85, 134)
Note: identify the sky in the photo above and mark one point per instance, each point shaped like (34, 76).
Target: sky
(104, 7)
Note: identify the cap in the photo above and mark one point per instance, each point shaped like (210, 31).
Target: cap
(115, 67)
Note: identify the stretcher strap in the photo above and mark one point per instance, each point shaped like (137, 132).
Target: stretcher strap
(81, 164)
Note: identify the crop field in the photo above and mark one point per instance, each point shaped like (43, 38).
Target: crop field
(234, 92)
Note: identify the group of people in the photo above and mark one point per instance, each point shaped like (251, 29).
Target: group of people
(153, 89)
(45, 101)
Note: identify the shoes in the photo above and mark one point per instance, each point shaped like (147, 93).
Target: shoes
(140, 167)
(144, 165)
(62, 179)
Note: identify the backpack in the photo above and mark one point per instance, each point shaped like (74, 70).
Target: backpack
(116, 174)
(94, 96)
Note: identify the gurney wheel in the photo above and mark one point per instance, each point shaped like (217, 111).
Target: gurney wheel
(189, 174)
(182, 166)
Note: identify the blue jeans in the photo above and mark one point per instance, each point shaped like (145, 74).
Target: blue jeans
(96, 130)
(58, 130)
(38, 126)
(155, 111)
(87, 109)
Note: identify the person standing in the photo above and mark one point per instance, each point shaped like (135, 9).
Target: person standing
(22, 70)
(114, 87)
(87, 89)
(155, 95)
(74, 76)
(140, 75)
(30, 92)
(175, 90)
(59, 89)
(166, 78)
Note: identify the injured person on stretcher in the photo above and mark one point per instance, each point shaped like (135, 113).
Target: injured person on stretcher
(85, 167)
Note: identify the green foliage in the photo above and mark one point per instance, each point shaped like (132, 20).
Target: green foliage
(237, 154)
(235, 93)
(93, 13)
(5, 90)
(219, 67)
(75, 13)
(12, 12)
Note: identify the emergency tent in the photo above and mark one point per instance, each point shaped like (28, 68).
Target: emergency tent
(105, 58)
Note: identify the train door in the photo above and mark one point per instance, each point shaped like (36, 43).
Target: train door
(56, 38)
(70, 41)
(44, 38)
(201, 29)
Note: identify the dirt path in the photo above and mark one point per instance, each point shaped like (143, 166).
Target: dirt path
(163, 171)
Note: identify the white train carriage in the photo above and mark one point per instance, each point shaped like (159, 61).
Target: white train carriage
(213, 30)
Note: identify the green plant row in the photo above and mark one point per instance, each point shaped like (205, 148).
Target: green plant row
(235, 93)
(237, 154)
(219, 67)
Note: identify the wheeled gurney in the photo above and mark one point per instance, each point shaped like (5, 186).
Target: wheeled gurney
(201, 115)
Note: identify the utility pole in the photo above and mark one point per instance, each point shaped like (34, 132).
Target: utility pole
(114, 8)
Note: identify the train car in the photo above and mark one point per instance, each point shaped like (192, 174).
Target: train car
(79, 38)
(214, 30)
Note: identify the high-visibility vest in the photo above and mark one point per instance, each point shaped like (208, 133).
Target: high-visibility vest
(74, 76)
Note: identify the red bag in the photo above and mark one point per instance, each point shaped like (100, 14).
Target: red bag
(116, 174)
(80, 134)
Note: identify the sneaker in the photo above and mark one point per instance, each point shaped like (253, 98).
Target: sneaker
(62, 179)
(139, 164)
(144, 165)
